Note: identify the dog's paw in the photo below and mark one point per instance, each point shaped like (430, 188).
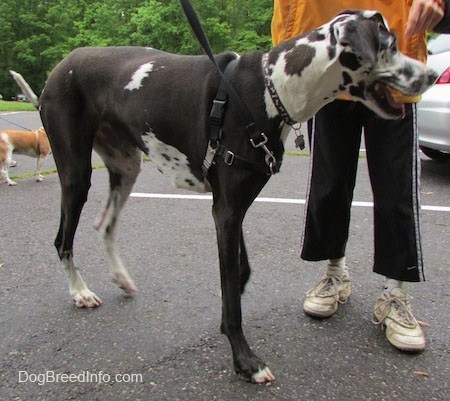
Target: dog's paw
(11, 183)
(86, 299)
(124, 282)
(263, 376)
(13, 163)
(40, 178)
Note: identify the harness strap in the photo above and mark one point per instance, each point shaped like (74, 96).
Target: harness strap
(242, 108)
(217, 148)
(216, 116)
(232, 159)
(257, 138)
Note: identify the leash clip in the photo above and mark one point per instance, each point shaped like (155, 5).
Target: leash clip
(261, 143)
(270, 159)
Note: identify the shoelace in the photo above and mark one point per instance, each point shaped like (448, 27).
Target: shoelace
(327, 284)
(403, 316)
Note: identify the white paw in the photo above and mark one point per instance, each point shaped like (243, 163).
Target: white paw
(263, 376)
(86, 299)
(12, 183)
(124, 282)
(40, 178)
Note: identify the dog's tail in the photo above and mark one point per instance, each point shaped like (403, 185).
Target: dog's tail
(26, 89)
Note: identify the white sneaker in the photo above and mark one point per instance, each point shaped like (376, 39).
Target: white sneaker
(334, 288)
(393, 311)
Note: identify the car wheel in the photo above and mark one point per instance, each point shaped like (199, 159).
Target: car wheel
(434, 154)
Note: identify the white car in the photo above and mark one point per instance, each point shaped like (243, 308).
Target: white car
(434, 109)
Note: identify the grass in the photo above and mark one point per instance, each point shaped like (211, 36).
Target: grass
(297, 153)
(31, 174)
(16, 106)
(46, 172)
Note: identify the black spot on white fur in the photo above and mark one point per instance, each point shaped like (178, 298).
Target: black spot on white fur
(299, 58)
(358, 90)
(316, 36)
(347, 78)
(349, 60)
(331, 52)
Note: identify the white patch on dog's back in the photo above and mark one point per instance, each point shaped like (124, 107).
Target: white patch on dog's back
(172, 163)
(138, 76)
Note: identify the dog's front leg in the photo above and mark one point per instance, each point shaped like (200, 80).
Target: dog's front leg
(246, 364)
(244, 266)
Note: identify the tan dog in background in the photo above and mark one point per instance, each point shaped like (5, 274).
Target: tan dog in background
(30, 143)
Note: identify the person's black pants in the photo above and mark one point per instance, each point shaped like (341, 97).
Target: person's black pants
(392, 157)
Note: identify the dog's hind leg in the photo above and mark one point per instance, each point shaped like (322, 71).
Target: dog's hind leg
(73, 160)
(75, 183)
(122, 178)
(39, 163)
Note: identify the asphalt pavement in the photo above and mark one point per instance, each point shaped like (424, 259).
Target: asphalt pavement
(164, 343)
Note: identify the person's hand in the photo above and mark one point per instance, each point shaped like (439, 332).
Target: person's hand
(423, 16)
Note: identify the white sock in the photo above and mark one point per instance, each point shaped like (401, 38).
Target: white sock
(391, 284)
(338, 264)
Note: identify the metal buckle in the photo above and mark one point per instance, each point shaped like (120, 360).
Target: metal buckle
(216, 114)
(228, 158)
(208, 161)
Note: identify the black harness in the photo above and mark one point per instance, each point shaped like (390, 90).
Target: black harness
(257, 138)
(216, 146)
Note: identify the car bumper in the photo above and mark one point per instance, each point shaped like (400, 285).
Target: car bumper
(433, 118)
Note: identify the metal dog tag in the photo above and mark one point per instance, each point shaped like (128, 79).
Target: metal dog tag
(300, 142)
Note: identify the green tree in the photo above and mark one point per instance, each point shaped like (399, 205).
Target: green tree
(37, 34)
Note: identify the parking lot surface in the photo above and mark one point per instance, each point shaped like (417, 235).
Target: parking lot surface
(164, 343)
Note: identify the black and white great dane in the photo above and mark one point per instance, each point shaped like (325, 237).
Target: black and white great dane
(122, 101)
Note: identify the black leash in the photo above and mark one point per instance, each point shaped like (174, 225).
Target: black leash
(17, 125)
(257, 138)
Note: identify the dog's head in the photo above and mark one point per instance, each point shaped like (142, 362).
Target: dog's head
(371, 62)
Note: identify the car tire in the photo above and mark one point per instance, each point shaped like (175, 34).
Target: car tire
(435, 154)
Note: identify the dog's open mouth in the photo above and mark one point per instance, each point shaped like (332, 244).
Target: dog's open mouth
(382, 96)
